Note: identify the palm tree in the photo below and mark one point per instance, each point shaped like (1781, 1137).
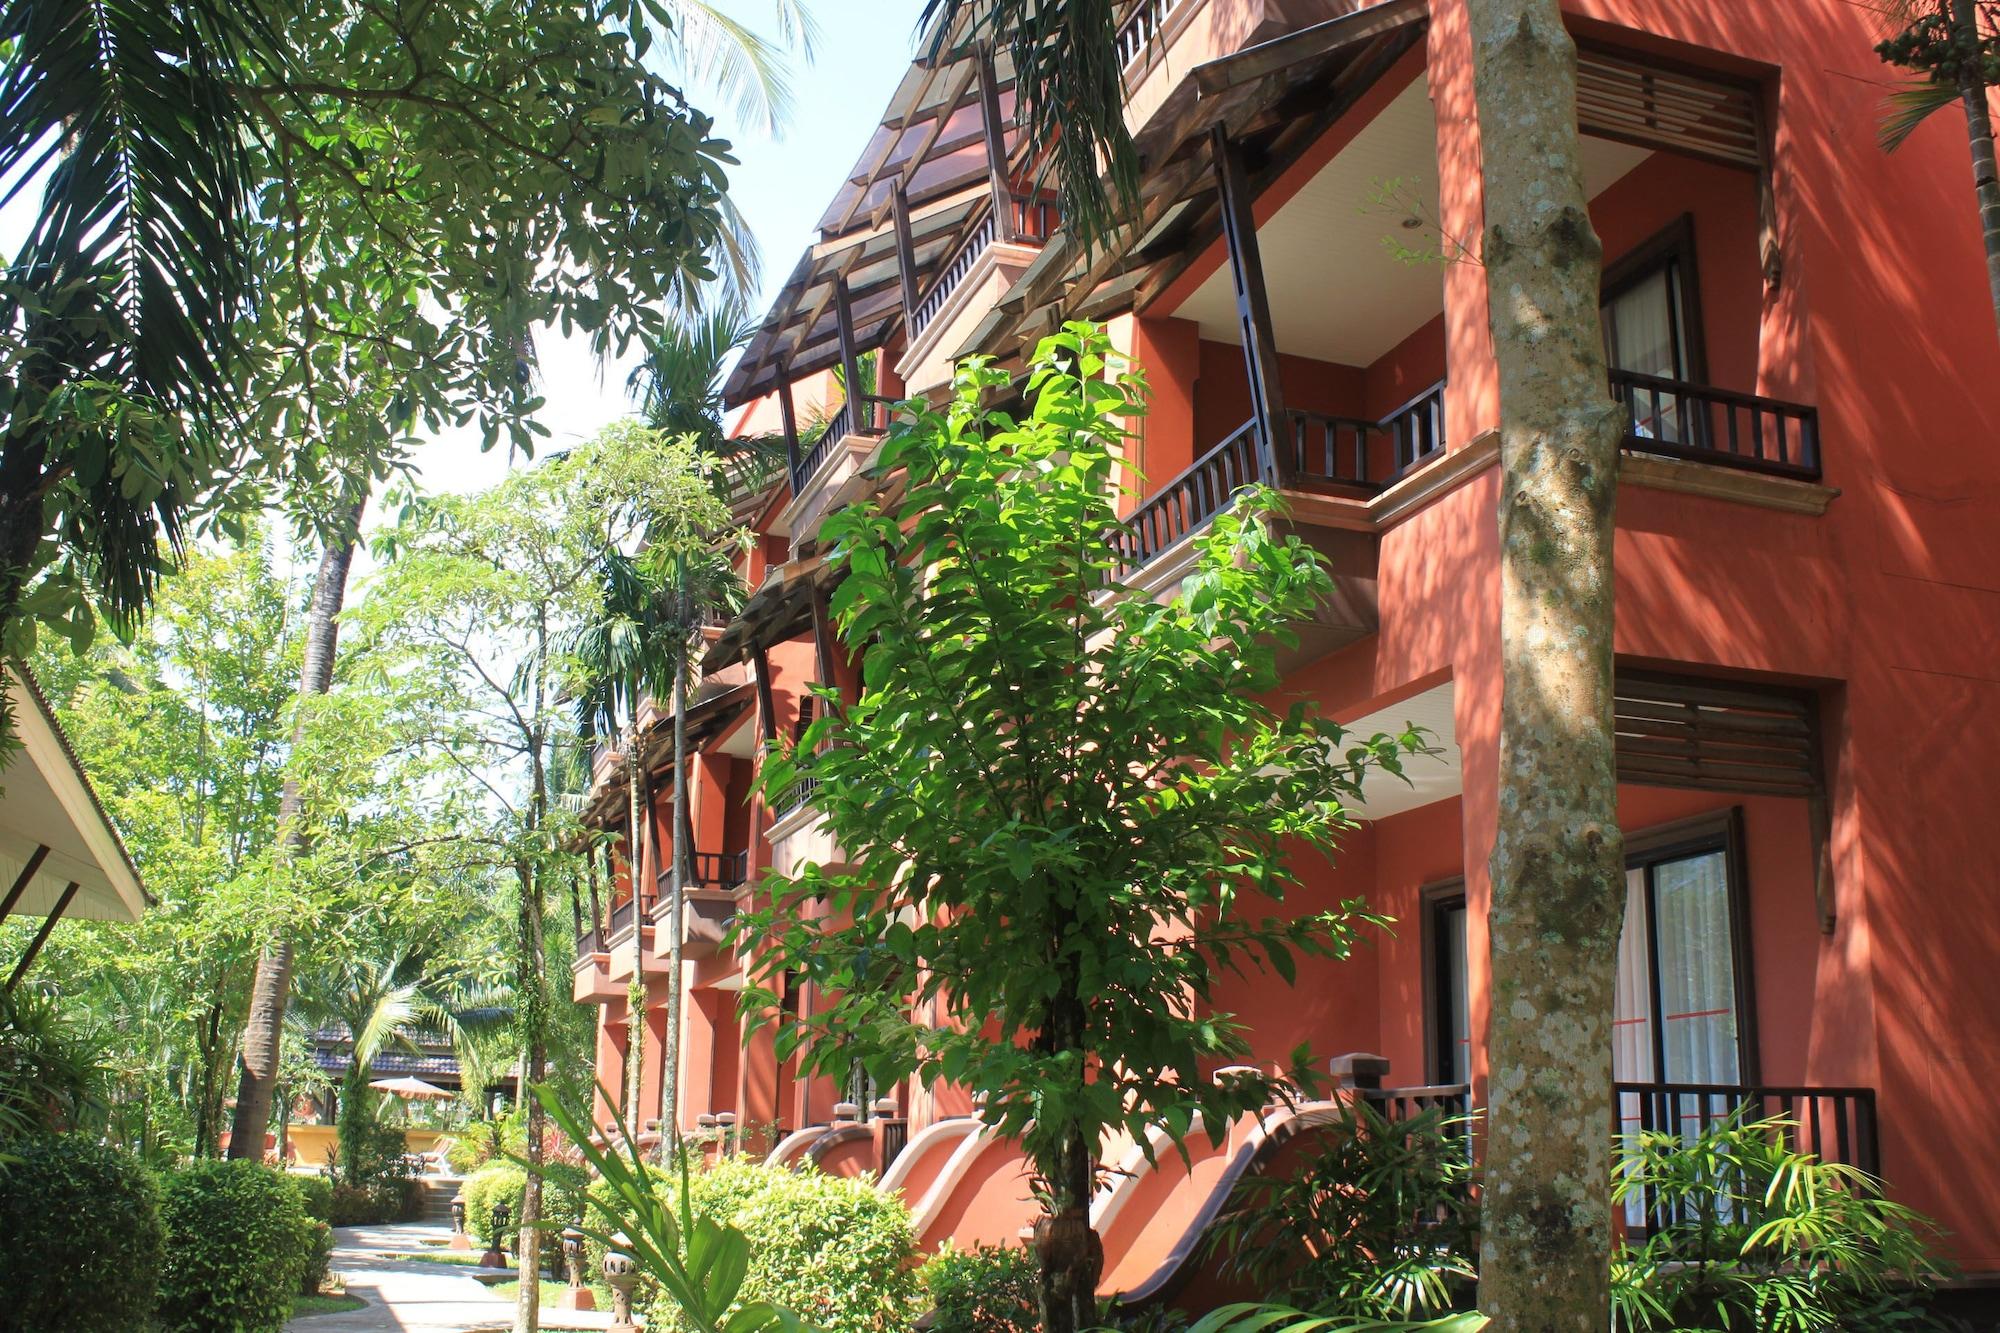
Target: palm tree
(1955, 45)
(644, 646)
(384, 1004)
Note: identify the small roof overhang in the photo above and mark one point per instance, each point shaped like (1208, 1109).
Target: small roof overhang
(46, 802)
(780, 609)
(930, 143)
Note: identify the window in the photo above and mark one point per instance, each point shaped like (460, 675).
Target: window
(1449, 1026)
(1652, 327)
(1677, 1018)
(1684, 1007)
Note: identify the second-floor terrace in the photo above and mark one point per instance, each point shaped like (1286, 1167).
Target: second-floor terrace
(1302, 287)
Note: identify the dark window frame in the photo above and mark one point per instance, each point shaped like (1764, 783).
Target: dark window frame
(1670, 250)
(1716, 831)
(1436, 899)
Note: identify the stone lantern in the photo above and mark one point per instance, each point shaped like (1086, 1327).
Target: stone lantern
(575, 1296)
(495, 1257)
(621, 1275)
(459, 1240)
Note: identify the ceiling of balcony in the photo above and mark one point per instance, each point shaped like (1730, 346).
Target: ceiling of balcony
(1432, 777)
(1338, 290)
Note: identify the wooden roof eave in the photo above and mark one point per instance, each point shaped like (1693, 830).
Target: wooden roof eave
(1242, 91)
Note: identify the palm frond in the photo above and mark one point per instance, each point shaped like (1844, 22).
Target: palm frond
(126, 296)
(1910, 106)
(745, 69)
(1070, 93)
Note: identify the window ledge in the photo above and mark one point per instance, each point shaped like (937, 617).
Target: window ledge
(1783, 494)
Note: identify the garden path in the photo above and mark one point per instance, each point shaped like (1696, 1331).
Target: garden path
(413, 1296)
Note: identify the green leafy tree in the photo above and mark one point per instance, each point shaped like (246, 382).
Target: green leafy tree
(1067, 809)
(337, 222)
(482, 597)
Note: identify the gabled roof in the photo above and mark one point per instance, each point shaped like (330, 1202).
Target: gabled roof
(48, 811)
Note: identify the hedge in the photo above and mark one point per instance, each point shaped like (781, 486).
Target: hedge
(839, 1253)
(83, 1239)
(496, 1182)
(315, 1196)
(238, 1242)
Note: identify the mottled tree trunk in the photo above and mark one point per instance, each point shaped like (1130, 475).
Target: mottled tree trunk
(270, 992)
(1979, 131)
(531, 984)
(1558, 862)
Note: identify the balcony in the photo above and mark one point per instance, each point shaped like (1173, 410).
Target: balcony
(828, 473)
(975, 276)
(1698, 424)
(1340, 454)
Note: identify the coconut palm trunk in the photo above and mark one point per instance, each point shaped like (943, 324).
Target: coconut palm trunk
(1558, 861)
(1979, 132)
(270, 990)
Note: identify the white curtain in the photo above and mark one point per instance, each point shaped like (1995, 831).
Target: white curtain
(1639, 329)
(1697, 970)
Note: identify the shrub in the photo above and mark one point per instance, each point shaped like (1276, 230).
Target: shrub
(485, 1141)
(990, 1289)
(315, 1196)
(83, 1236)
(52, 1073)
(496, 1182)
(237, 1246)
(319, 1257)
(838, 1253)
(1748, 1232)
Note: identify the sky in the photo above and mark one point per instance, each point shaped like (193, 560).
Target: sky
(782, 186)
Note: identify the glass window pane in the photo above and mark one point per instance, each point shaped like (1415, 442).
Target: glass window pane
(1456, 1057)
(1642, 334)
(1697, 962)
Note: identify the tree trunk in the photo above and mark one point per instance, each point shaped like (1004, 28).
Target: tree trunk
(638, 815)
(1070, 1253)
(530, 982)
(271, 991)
(682, 852)
(1558, 861)
(1979, 130)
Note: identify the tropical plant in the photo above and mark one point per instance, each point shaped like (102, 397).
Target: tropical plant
(1749, 1232)
(52, 1071)
(1379, 1222)
(700, 1264)
(1953, 46)
(481, 597)
(84, 1240)
(1042, 778)
(987, 1289)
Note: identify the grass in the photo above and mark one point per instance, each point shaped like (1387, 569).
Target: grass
(467, 1258)
(311, 1305)
(551, 1291)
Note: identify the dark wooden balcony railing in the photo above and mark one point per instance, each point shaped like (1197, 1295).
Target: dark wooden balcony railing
(710, 870)
(1189, 500)
(1353, 451)
(622, 916)
(1705, 425)
(871, 418)
(1833, 1124)
(1344, 451)
(1035, 219)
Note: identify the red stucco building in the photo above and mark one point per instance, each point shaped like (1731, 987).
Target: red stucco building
(1808, 554)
